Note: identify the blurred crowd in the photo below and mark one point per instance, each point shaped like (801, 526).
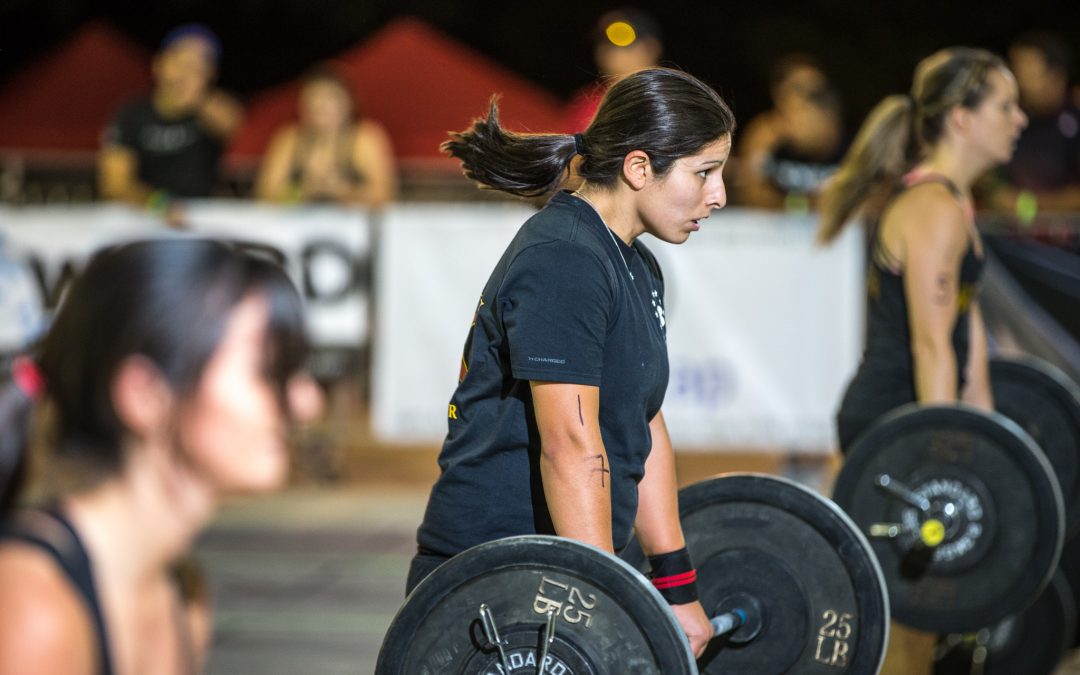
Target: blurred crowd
(168, 145)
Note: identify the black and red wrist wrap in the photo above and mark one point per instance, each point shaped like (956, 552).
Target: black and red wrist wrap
(673, 574)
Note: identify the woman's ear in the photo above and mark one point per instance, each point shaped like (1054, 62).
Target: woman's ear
(304, 398)
(141, 397)
(637, 169)
(959, 118)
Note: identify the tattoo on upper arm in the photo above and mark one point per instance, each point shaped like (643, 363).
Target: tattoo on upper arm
(602, 470)
(579, 415)
(943, 289)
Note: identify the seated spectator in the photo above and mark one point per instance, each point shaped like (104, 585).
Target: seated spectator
(169, 144)
(1044, 174)
(627, 40)
(790, 150)
(331, 154)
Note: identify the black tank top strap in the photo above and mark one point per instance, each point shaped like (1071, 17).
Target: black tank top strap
(299, 155)
(915, 178)
(343, 156)
(346, 146)
(54, 534)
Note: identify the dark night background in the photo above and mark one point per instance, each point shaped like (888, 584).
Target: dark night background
(869, 48)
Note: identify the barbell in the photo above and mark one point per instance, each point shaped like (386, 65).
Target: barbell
(791, 583)
(965, 511)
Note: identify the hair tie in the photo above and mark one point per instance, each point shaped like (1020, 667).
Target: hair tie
(28, 377)
(579, 144)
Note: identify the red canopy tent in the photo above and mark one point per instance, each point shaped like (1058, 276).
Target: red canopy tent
(419, 84)
(416, 81)
(63, 101)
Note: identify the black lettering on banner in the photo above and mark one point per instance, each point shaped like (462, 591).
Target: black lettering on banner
(261, 250)
(51, 289)
(326, 252)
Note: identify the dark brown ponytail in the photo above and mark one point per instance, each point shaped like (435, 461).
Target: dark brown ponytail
(666, 113)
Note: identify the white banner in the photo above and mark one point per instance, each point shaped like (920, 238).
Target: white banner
(764, 331)
(764, 327)
(325, 249)
(434, 260)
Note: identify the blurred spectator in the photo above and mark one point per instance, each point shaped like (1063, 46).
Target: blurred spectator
(330, 154)
(788, 151)
(169, 144)
(1044, 174)
(627, 40)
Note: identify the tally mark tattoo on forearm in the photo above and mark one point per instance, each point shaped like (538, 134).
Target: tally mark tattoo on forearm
(579, 415)
(602, 470)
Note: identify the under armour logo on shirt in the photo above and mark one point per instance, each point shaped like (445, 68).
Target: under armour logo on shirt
(658, 309)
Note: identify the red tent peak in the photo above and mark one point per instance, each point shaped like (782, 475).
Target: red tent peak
(419, 83)
(64, 99)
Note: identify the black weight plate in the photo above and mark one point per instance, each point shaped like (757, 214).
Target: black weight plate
(611, 620)
(824, 605)
(1030, 643)
(1005, 532)
(1046, 404)
(1070, 567)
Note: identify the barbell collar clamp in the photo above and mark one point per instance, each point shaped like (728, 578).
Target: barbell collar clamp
(549, 637)
(902, 492)
(491, 632)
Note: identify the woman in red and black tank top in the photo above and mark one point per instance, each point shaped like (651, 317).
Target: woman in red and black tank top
(909, 175)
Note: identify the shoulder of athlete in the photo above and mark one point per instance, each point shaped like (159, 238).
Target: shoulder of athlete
(927, 217)
(44, 624)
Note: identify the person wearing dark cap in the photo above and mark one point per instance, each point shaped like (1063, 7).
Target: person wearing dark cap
(627, 40)
(168, 145)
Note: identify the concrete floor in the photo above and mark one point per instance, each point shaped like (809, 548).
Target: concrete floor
(308, 581)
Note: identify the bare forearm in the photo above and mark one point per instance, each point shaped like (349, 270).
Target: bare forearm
(657, 524)
(577, 486)
(977, 391)
(118, 176)
(220, 114)
(935, 373)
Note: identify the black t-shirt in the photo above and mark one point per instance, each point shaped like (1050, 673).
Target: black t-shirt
(560, 306)
(1047, 154)
(796, 173)
(176, 155)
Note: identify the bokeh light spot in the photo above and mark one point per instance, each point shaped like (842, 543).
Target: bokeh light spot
(621, 34)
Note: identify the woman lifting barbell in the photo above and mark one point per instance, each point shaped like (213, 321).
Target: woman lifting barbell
(555, 426)
(909, 175)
